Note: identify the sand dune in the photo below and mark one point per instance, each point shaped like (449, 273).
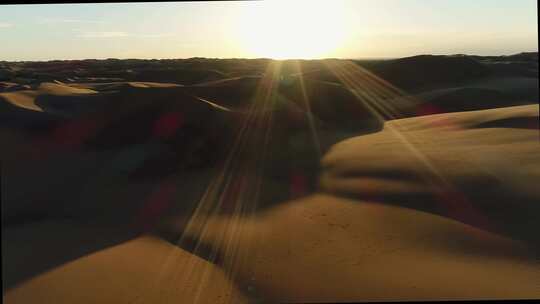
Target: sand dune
(24, 99)
(141, 270)
(104, 162)
(379, 244)
(489, 158)
(27, 98)
(353, 250)
(420, 72)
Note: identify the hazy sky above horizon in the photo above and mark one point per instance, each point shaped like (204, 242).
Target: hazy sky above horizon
(270, 28)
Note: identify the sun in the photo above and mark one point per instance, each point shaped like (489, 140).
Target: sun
(292, 29)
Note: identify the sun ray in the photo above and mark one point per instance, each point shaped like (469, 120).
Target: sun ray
(309, 113)
(240, 168)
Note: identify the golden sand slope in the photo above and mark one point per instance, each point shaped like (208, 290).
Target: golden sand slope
(142, 270)
(378, 245)
(26, 98)
(488, 161)
(328, 249)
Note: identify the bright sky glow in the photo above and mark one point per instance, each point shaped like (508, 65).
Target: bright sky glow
(270, 28)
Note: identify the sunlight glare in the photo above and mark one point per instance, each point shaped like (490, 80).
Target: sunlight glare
(293, 29)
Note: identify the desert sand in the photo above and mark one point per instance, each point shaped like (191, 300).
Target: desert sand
(379, 244)
(231, 181)
(142, 270)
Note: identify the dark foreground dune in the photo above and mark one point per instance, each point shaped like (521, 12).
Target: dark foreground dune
(230, 187)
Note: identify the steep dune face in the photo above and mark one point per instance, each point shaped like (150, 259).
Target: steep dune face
(40, 108)
(141, 270)
(27, 99)
(472, 172)
(477, 167)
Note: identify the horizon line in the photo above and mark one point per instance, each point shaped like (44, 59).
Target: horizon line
(276, 59)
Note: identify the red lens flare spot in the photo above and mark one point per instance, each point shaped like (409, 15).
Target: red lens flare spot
(167, 124)
(298, 184)
(427, 109)
(67, 136)
(459, 208)
(73, 133)
(154, 207)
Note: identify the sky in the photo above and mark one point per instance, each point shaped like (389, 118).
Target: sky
(269, 28)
